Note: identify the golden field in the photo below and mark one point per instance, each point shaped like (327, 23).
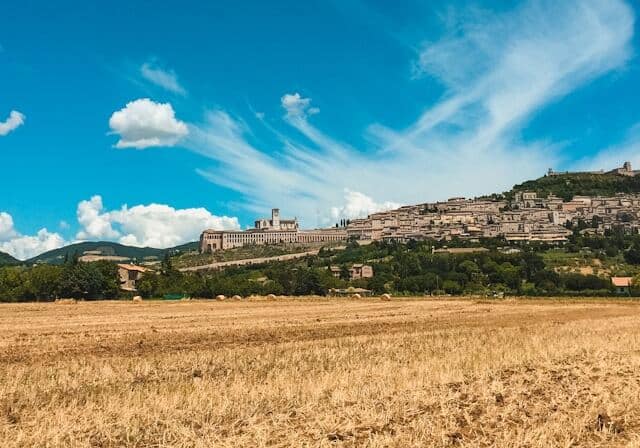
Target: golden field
(321, 372)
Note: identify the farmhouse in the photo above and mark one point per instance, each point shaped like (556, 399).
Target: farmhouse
(129, 274)
(359, 271)
(622, 284)
(356, 271)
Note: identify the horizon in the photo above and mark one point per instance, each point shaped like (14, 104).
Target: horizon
(330, 110)
(601, 171)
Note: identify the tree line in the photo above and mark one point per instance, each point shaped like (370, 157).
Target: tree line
(399, 268)
(98, 280)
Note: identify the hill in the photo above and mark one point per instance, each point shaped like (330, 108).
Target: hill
(569, 185)
(6, 259)
(190, 255)
(107, 248)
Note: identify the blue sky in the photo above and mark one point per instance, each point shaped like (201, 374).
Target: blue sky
(144, 124)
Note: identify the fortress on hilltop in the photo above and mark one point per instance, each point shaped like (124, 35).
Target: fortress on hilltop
(625, 170)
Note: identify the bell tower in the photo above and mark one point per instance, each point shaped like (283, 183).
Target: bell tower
(275, 218)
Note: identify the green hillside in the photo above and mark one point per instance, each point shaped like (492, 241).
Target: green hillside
(187, 247)
(6, 259)
(57, 256)
(567, 186)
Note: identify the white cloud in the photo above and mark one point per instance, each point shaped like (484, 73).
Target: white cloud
(15, 120)
(167, 79)
(154, 225)
(7, 230)
(144, 123)
(95, 224)
(497, 71)
(26, 246)
(297, 106)
(358, 205)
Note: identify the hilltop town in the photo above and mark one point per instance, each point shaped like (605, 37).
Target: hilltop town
(525, 216)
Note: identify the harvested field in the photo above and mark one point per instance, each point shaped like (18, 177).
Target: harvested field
(321, 372)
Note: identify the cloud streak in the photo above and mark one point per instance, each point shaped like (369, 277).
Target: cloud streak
(167, 79)
(496, 71)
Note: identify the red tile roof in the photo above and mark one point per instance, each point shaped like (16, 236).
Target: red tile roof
(621, 281)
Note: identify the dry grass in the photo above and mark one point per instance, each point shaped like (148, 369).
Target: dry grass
(319, 372)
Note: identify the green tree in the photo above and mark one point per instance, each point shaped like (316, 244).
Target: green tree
(44, 281)
(452, 287)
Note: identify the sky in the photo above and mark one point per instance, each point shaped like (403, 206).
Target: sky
(146, 123)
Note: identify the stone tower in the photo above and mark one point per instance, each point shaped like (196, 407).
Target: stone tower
(275, 218)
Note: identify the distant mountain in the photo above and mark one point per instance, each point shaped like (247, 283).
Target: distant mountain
(107, 248)
(187, 247)
(6, 259)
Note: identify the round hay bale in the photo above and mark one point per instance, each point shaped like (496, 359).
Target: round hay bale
(385, 297)
(66, 301)
(236, 297)
(137, 299)
(356, 296)
(271, 297)
(220, 297)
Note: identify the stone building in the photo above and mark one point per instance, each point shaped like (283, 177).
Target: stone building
(268, 231)
(359, 271)
(129, 275)
(356, 272)
(624, 170)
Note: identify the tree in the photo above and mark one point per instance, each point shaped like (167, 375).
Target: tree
(166, 267)
(452, 287)
(470, 269)
(44, 281)
(307, 281)
(147, 285)
(509, 275)
(632, 255)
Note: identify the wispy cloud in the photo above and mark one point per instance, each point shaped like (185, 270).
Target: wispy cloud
(497, 71)
(167, 79)
(14, 121)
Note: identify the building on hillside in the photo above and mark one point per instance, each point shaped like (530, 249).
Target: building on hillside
(89, 256)
(622, 284)
(359, 271)
(459, 250)
(356, 271)
(268, 231)
(624, 170)
(129, 275)
(275, 223)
